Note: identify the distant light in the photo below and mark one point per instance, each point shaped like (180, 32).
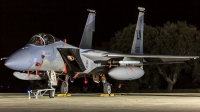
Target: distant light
(120, 85)
(149, 87)
(27, 91)
(1, 86)
(8, 87)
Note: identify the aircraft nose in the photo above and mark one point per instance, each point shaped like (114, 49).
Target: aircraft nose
(21, 61)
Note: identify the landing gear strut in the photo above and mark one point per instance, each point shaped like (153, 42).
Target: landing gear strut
(64, 86)
(52, 82)
(106, 85)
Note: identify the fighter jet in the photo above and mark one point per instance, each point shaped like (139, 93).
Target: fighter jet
(47, 57)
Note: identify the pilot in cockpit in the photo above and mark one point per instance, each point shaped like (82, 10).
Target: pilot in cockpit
(41, 40)
(46, 40)
(36, 40)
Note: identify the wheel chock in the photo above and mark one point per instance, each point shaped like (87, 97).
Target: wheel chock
(101, 95)
(64, 95)
(61, 95)
(69, 94)
(106, 95)
(112, 94)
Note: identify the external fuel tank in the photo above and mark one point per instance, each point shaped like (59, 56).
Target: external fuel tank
(126, 73)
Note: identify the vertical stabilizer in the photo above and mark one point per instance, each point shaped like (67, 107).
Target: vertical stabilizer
(137, 47)
(86, 41)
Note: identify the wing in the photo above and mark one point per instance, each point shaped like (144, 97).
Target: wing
(164, 58)
(158, 63)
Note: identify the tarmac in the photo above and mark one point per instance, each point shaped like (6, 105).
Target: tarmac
(124, 102)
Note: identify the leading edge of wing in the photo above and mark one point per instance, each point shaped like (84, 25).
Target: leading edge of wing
(162, 57)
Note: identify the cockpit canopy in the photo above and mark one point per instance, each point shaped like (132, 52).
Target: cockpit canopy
(42, 39)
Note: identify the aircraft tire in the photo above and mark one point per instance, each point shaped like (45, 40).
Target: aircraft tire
(107, 88)
(51, 94)
(64, 88)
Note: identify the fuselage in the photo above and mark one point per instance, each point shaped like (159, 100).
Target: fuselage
(44, 57)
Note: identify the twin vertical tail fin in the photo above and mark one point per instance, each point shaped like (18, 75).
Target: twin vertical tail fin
(86, 41)
(137, 47)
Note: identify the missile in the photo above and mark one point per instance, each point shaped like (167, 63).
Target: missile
(116, 62)
(127, 62)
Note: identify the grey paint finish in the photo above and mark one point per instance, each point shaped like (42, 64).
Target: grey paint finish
(86, 41)
(95, 55)
(20, 60)
(137, 46)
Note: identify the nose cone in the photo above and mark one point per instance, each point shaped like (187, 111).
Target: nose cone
(21, 61)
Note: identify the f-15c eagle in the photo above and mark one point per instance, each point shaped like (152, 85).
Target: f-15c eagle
(47, 57)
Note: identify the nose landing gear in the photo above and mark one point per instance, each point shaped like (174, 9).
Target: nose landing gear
(52, 82)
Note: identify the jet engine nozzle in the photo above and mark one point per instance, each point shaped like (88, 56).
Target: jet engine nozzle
(20, 60)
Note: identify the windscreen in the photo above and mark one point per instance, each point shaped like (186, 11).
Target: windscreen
(42, 39)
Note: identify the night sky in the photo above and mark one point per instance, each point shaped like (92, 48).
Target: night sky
(21, 19)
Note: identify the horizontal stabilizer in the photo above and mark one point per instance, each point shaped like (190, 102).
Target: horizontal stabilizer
(25, 76)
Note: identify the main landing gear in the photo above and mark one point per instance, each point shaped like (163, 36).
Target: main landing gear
(64, 86)
(106, 85)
